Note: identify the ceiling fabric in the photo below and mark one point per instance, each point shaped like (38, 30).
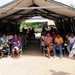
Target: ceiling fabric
(42, 8)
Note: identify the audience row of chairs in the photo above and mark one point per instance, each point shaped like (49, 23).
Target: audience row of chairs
(43, 49)
(8, 50)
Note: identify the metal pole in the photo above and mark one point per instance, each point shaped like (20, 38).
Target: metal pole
(24, 8)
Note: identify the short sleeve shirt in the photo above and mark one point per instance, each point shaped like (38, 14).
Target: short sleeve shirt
(71, 39)
(15, 40)
(48, 40)
(59, 40)
(4, 40)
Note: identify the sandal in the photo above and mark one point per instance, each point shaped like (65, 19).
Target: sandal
(48, 56)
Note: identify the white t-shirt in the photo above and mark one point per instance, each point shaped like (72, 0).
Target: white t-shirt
(71, 39)
(42, 37)
(42, 42)
(9, 37)
(73, 46)
(67, 36)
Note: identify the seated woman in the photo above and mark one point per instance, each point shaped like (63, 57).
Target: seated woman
(4, 45)
(15, 42)
(48, 43)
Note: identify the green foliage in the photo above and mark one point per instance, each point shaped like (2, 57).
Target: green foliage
(35, 25)
(25, 25)
(72, 5)
(22, 25)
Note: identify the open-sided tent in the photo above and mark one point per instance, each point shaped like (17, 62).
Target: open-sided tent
(19, 10)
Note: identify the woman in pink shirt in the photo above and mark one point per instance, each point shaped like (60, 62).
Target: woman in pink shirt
(48, 43)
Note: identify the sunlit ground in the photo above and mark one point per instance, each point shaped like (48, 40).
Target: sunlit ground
(37, 65)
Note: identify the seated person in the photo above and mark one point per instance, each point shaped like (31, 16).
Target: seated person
(4, 45)
(72, 52)
(32, 34)
(15, 42)
(9, 36)
(58, 41)
(68, 35)
(71, 40)
(48, 43)
(1, 52)
(42, 38)
(0, 46)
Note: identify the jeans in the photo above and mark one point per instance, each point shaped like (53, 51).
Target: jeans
(69, 48)
(54, 50)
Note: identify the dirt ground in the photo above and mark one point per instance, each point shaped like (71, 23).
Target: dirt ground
(34, 63)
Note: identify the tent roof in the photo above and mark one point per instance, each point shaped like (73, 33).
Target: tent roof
(22, 14)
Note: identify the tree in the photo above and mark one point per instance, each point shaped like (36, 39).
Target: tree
(25, 25)
(72, 5)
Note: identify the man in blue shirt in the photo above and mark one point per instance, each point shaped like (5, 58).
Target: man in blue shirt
(4, 45)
